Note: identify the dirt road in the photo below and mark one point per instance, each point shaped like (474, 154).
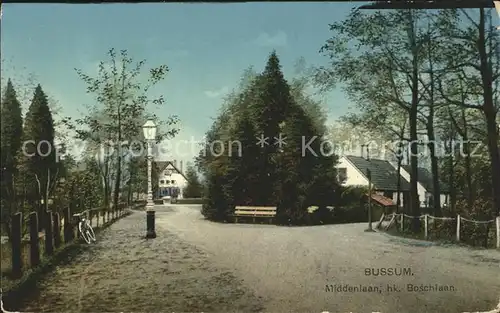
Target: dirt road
(194, 265)
(290, 267)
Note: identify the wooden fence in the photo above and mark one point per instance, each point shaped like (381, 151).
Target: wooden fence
(394, 218)
(27, 252)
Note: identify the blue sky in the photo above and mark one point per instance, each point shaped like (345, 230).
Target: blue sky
(206, 46)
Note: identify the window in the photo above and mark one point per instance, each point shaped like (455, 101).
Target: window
(173, 181)
(342, 174)
(162, 181)
(167, 181)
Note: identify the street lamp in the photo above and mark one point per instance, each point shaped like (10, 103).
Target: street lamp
(369, 176)
(149, 129)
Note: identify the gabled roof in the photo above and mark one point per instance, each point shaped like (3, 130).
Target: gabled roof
(425, 178)
(384, 176)
(162, 165)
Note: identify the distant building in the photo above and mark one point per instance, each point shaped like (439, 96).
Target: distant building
(171, 179)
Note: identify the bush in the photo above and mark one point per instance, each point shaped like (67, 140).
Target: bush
(350, 214)
(215, 205)
(190, 201)
(352, 196)
(473, 233)
(321, 215)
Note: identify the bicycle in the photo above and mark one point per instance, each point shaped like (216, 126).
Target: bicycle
(84, 228)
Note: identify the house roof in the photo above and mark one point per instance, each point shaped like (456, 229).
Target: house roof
(384, 176)
(384, 201)
(162, 165)
(425, 178)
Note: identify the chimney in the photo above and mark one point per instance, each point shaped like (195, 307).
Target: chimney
(181, 167)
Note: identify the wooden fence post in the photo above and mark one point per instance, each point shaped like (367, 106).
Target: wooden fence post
(49, 237)
(57, 229)
(68, 230)
(34, 240)
(103, 216)
(16, 233)
(91, 216)
(426, 223)
(458, 227)
(402, 222)
(498, 232)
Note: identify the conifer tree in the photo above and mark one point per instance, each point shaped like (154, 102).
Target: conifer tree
(11, 129)
(39, 155)
(268, 111)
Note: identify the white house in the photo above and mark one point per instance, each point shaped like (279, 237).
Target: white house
(425, 185)
(170, 179)
(353, 171)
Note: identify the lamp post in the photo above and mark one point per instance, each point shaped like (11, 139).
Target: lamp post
(369, 175)
(149, 129)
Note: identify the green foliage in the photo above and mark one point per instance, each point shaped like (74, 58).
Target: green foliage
(116, 120)
(215, 205)
(11, 130)
(352, 195)
(383, 57)
(194, 187)
(138, 175)
(270, 175)
(39, 169)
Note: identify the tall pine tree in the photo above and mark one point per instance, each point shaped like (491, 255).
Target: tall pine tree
(268, 112)
(11, 129)
(40, 152)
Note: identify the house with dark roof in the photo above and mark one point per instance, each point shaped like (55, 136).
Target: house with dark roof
(353, 171)
(425, 186)
(171, 179)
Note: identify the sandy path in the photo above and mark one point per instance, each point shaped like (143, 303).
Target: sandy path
(289, 267)
(123, 272)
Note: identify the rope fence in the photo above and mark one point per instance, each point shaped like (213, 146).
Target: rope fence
(400, 217)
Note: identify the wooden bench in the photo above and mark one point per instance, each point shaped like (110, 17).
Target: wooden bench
(254, 212)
